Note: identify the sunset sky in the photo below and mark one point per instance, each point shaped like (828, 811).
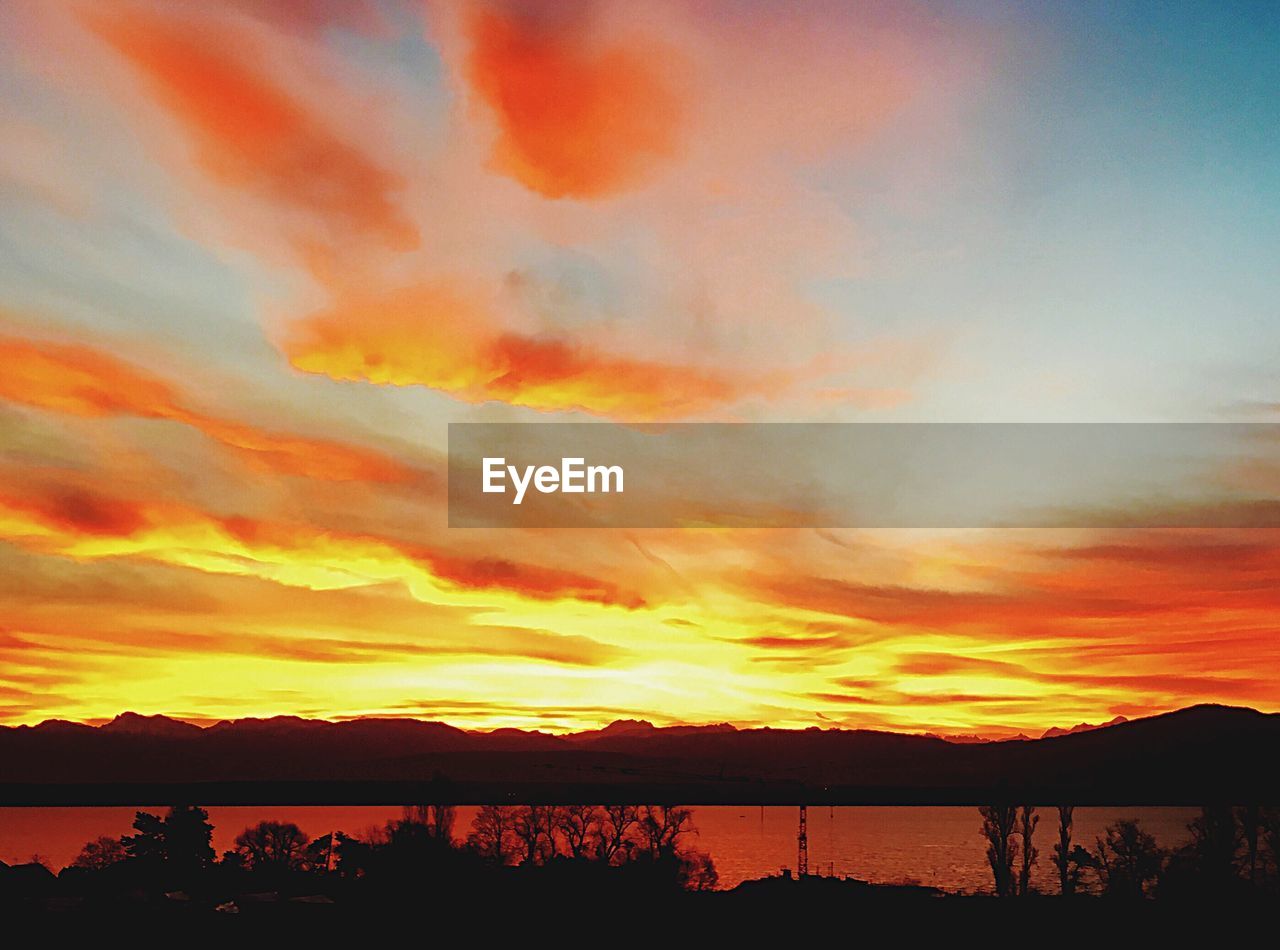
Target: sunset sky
(255, 256)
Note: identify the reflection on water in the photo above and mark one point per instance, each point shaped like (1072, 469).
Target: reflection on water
(939, 846)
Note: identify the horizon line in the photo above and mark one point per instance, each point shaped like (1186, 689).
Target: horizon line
(205, 723)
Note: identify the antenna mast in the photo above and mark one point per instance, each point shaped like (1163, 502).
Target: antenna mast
(802, 843)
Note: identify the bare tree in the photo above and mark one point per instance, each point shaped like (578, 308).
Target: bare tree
(272, 844)
(998, 823)
(579, 825)
(662, 826)
(552, 831)
(1028, 819)
(616, 824)
(534, 830)
(493, 833)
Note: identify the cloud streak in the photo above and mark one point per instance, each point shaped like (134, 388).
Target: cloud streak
(442, 337)
(82, 380)
(83, 522)
(249, 131)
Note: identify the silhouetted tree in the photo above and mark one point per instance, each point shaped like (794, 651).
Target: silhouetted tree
(1207, 864)
(436, 819)
(1028, 819)
(535, 831)
(188, 836)
(412, 845)
(1269, 841)
(661, 828)
(1126, 860)
(616, 826)
(321, 853)
(1079, 860)
(493, 833)
(279, 845)
(998, 822)
(697, 872)
(354, 855)
(100, 853)
(549, 823)
(232, 861)
(179, 843)
(1250, 818)
(1062, 850)
(579, 826)
(147, 844)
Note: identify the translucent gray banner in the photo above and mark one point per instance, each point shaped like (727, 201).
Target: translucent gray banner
(869, 475)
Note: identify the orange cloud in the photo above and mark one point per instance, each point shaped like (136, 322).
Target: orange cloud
(53, 515)
(112, 637)
(1159, 582)
(538, 583)
(468, 573)
(438, 336)
(79, 380)
(72, 510)
(295, 455)
(578, 116)
(1187, 684)
(314, 16)
(250, 132)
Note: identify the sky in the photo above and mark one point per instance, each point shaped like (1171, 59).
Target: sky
(255, 257)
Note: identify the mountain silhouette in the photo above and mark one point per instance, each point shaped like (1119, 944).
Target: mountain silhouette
(1081, 727)
(1192, 756)
(162, 726)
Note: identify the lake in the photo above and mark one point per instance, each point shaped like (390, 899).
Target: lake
(938, 846)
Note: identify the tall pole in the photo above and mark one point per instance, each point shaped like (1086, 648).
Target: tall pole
(802, 842)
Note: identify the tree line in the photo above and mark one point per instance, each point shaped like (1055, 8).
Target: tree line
(1231, 852)
(177, 846)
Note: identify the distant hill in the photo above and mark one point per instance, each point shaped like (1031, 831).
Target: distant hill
(970, 738)
(1081, 727)
(1193, 756)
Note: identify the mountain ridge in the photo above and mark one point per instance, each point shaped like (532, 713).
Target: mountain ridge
(161, 724)
(1189, 756)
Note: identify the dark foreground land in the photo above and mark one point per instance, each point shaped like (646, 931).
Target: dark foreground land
(1196, 756)
(564, 911)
